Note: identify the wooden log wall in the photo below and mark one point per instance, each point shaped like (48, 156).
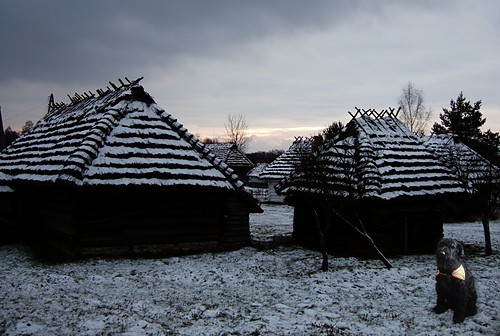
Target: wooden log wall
(235, 231)
(8, 228)
(122, 222)
(42, 220)
(394, 232)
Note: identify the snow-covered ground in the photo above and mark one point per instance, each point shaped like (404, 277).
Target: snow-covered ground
(254, 291)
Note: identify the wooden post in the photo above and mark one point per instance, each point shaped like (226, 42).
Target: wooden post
(52, 104)
(113, 85)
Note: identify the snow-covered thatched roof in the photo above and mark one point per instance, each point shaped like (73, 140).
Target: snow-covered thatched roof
(376, 156)
(117, 137)
(288, 161)
(257, 169)
(5, 189)
(469, 166)
(230, 154)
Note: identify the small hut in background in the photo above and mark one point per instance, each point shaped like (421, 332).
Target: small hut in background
(284, 165)
(255, 185)
(479, 176)
(112, 173)
(378, 173)
(233, 157)
(254, 175)
(472, 169)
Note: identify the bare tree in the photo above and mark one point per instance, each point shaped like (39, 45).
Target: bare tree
(236, 131)
(335, 203)
(414, 114)
(28, 125)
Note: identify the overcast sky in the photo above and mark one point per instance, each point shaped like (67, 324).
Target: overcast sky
(289, 67)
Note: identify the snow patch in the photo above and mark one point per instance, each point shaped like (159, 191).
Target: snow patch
(267, 291)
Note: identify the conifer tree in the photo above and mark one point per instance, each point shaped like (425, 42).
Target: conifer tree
(463, 119)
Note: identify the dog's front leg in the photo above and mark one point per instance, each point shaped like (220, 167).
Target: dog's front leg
(459, 306)
(459, 315)
(441, 305)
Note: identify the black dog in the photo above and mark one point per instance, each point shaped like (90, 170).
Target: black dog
(454, 282)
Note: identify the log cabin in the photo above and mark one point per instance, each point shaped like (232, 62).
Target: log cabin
(479, 176)
(112, 173)
(233, 157)
(472, 169)
(375, 177)
(284, 165)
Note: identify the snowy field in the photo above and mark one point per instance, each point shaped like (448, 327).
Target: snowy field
(254, 291)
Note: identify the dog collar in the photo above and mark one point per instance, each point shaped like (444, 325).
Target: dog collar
(459, 273)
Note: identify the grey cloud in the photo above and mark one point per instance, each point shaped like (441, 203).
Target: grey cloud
(300, 62)
(56, 41)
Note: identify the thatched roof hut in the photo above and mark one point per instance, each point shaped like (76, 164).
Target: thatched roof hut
(113, 173)
(478, 175)
(233, 157)
(284, 165)
(375, 172)
(469, 166)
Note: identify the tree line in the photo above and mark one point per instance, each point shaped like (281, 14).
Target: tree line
(11, 135)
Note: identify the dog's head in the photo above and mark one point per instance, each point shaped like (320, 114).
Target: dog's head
(449, 254)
